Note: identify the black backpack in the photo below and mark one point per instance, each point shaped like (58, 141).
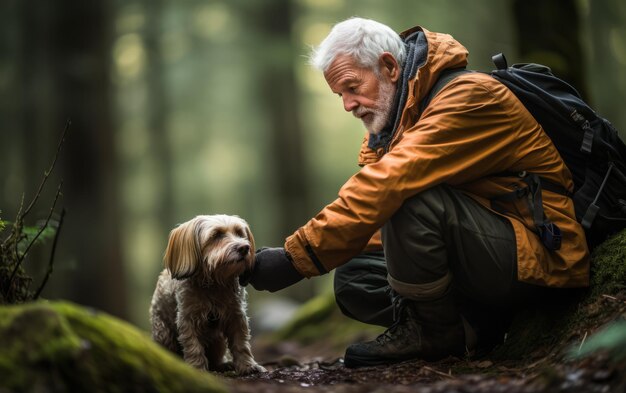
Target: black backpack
(589, 145)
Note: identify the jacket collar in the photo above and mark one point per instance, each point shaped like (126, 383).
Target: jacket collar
(417, 51)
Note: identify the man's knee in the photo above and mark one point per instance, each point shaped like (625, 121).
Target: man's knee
(354, 279)
(413, 237)
(361, 289)
(429, 204)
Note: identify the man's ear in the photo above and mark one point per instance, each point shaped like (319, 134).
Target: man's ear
(389, 66)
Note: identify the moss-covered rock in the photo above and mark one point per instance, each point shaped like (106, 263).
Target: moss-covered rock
(320, 320)
(553, 326)
(62, 347)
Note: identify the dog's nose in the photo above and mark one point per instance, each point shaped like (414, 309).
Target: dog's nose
(243, 250)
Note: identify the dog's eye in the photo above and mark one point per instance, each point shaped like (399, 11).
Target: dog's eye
(240, 232)
(217, 235)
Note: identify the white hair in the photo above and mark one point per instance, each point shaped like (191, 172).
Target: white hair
(363, 39)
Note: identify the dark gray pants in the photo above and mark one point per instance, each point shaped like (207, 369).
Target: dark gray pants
(439, 239)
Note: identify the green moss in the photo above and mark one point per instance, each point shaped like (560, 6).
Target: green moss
(608, 269)
(313, 312)
(548, 327)
(64, 347)
(321, 319)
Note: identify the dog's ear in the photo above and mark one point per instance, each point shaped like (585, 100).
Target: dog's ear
(182, 255)
(250, 238)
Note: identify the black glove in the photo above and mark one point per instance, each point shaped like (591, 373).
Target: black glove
(273, 270)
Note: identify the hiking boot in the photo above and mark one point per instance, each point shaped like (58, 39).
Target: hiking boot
(421, 330)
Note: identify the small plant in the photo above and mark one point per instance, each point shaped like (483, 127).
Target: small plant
(15, 283)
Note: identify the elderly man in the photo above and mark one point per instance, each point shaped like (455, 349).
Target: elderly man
(456, 253)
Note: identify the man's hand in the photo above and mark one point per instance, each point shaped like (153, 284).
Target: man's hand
(273, 270)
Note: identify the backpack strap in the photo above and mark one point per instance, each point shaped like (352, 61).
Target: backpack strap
(500, 61)
(445, 77)
(548, 231)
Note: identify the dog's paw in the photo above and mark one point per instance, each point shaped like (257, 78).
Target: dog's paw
(251, 369)
(259, 369)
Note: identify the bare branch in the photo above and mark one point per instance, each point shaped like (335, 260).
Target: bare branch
(50, 263)
(18, 262)
(47, 173)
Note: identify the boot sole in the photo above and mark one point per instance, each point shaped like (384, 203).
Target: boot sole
(356, 361)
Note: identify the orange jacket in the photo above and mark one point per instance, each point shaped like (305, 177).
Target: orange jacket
(473, 129)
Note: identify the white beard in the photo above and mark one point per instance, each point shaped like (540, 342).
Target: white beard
(376, 118)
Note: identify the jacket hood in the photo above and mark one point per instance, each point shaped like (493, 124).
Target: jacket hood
(444, 52)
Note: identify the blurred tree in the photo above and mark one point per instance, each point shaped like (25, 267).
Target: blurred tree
(80, 45)
(272, 51)
(36, 139)
(158, 109)
(608, 59)
(548, 32)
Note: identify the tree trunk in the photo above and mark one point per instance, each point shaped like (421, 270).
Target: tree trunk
(157, 110)
(278, 94)
(548, 32)
(81, 43)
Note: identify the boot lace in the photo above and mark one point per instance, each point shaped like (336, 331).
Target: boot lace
(398, 306)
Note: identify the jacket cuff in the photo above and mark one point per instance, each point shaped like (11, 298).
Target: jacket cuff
(304, 259)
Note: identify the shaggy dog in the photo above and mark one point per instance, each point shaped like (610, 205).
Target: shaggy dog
(198, 306)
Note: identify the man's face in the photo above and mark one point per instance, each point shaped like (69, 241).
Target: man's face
(364, 93)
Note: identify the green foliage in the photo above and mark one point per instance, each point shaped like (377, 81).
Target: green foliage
(35, 235)
(14, 280)
(31, 234)
(60, 347)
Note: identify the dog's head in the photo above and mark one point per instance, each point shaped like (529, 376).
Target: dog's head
(217, 247)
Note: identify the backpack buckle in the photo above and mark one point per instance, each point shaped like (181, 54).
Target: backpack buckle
(550, 236)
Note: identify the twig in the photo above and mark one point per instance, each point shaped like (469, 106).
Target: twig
(19, 218)
(43, 228)
(20, 258)
(47, 173)
(50, 263)
(613, 298)
(582, 342)
(432, 370)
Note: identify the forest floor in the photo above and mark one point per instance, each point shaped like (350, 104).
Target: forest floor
(592, 375)
(318, 367)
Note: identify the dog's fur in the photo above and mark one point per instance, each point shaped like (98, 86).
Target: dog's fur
(198, 306)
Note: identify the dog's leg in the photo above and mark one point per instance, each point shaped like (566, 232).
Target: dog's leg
(214, 348)
(188, 336)
(163, 315)
(239, 345)
(164, 333)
